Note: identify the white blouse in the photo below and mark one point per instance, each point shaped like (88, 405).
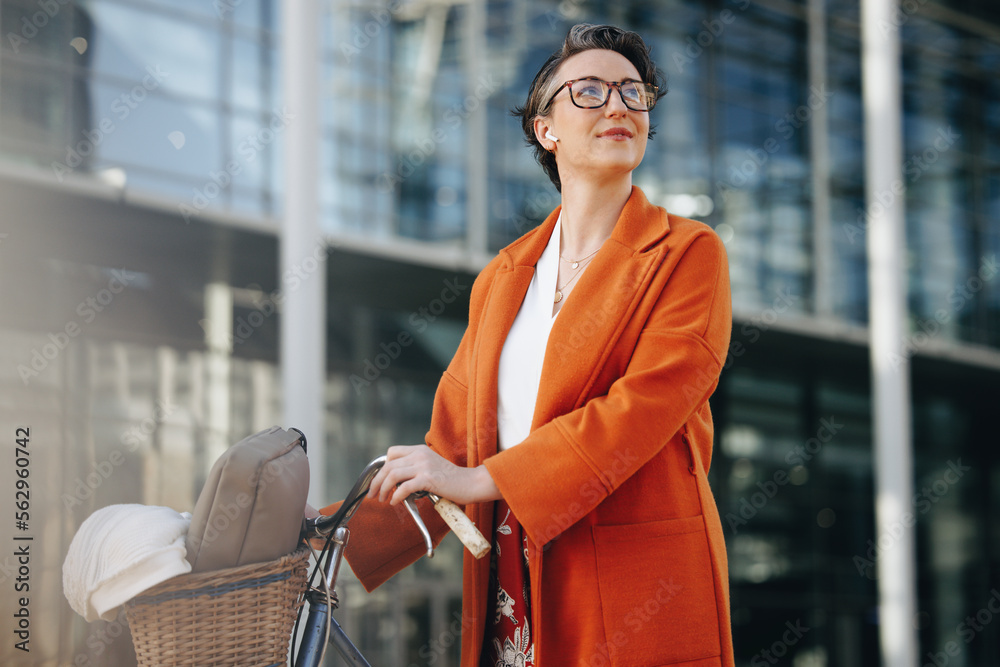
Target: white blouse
(524, 350)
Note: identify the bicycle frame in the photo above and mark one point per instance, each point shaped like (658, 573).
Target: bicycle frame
(320, 627)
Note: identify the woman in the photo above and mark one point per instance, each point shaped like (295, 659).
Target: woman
(573, 422)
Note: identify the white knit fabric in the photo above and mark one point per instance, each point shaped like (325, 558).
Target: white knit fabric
(121, 551)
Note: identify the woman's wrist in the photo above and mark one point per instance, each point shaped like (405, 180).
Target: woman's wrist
(486, 488)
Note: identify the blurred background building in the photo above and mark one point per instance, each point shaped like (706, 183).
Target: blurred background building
(141, 200)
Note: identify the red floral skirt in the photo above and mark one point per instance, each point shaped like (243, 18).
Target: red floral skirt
(508, 641)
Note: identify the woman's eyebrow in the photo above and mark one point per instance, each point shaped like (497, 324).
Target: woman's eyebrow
(597, 78)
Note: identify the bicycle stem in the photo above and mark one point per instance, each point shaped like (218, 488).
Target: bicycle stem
(332, 567)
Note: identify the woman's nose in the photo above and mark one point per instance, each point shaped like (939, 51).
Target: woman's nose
(615, 106)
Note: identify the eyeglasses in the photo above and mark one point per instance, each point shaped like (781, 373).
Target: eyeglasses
(594, 93)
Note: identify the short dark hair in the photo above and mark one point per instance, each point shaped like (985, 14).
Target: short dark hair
(582, 37)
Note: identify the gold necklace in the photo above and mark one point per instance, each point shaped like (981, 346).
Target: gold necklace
(575, 263)
(559, 294)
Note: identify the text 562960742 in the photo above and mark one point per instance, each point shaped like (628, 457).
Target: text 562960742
(22, 541)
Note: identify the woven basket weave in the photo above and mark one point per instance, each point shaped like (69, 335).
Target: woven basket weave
(242, 616)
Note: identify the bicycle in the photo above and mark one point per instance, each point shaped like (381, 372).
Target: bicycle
(320, 627)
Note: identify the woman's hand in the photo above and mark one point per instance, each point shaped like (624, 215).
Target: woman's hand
(409, 469)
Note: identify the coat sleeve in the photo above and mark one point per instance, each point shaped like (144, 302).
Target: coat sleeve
(673, 370)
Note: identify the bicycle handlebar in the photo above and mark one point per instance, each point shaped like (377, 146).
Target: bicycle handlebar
(456, 519)
(461, 525)
(322, 526)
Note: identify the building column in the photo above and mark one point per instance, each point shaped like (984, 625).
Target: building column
(302, 277)
(886, 245)
(819, 142)
(476, 57)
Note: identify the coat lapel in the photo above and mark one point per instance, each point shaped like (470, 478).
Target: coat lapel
(510, 284)
(597, 310)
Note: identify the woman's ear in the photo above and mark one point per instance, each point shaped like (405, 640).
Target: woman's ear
(544, 134)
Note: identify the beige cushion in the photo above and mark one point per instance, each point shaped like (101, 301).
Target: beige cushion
(251, 507)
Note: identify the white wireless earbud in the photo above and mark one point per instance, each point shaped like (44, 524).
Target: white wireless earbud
(549, 135)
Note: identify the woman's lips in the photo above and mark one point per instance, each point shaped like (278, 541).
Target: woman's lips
(616, 133)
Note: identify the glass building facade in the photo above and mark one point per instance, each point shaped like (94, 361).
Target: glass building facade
(141, 197)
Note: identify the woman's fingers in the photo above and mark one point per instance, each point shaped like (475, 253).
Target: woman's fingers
(419, 468)
(405, 489)
(393, 454)
(412, 465)
(394, 479)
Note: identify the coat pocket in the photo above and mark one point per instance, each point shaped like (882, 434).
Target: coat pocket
(657, 591)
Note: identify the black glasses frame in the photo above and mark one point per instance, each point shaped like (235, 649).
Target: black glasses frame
(651, 92)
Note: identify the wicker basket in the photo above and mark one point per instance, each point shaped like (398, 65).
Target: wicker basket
(240, 616)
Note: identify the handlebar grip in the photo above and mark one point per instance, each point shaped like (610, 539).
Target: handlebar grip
(462, 526)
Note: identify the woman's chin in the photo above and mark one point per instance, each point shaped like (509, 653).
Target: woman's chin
(621, 155)
(616, 165)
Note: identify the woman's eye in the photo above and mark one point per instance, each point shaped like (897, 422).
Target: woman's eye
(589, 90)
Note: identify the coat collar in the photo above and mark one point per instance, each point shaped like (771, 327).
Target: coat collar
(589, 323)
(640, 226)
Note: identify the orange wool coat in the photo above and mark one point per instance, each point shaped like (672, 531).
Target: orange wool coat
(626, 551)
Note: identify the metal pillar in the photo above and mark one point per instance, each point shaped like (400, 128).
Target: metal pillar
(885, 192)
(303, 265)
